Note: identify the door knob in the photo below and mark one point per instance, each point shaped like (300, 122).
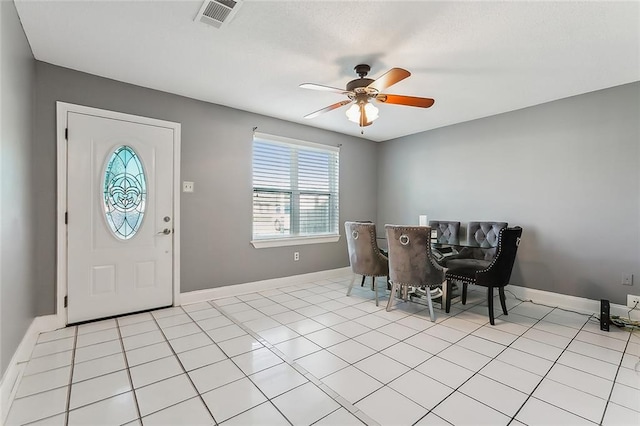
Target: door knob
(165, 231)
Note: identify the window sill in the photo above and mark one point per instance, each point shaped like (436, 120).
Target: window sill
(294, 241)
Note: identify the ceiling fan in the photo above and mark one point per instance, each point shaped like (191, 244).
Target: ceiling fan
(362, 90)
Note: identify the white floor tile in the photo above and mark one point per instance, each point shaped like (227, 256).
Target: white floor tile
(536, 348)
(155, 371)
(560, 330)
(97, 351)
(214, 322)
(629, 377)
(600, 340)
(460, 324)
(144, 339)
(57, 334)
(321, 363)
(138, 328)
(595, 351)
(174, 320)
(288, 317)
(192, 341)
(57, 420)
(481, 346)
(547, 338)
(194, 307)
(339, 417)
(95, 326)
(567, 319)
(97, 337)
(163, 394)
(570, 399)
(311, 311)
(254, 361)
(510, 375)
(44, 381)
(586, 382)
(48, 362)
(264, 413)
(329, 319)
(525, 361)
(326, 337)
(450, 335)
(352, 384)
(350, 329)
(496, 395)
(190, 412)
(421, 389)
(496, 335)
(539, 413)
(474, 412)
(181, 330)
(587, 364)
(232, 399)
(148, 353)
(376, 340)
(351, 351)
(215, 375)
(98, 367)
(52, 347)
(381, 367)
(298, 347)
(432, 419)
(116, 410)
(528, 309)
(38, 406)
(277, 380)
(239, 345)
(196, 358)
(415, 322)
(407, 354)
(626, 396)
(204, 314)
(278, 334)
(135, 318)
(444, 371)
(388, 407)
(617, 415)
(98, 388)
(261, 324)
(428, 343)
(317, 404)
(225, 333)
(464, 357)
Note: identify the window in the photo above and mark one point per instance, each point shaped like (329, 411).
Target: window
(295, 192)
(124, 193)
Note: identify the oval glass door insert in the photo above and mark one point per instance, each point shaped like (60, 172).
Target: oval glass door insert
(125, 193)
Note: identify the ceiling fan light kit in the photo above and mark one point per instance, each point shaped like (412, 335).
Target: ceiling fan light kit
(362, 90)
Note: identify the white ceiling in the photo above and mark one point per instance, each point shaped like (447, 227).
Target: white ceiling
(475, 59)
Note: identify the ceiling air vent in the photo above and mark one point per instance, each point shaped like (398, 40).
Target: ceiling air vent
(218, 12)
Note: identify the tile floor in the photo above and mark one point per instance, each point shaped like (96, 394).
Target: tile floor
(307, 354)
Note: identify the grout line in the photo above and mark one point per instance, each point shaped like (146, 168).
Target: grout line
(613, 385)
(126, 364)
(73, 357)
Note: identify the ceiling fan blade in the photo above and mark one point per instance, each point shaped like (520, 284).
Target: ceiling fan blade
(390, 78)
(320, 87)
(405, 100)
(327, 109)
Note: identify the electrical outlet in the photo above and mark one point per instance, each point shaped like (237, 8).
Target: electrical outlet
(633, 301)
(627, 279)
(296, 256)
(187, 186)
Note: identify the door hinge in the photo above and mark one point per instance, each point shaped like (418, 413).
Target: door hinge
(66, 218)
(66, 133)
(65, 301)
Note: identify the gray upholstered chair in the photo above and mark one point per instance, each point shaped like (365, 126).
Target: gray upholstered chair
(494, 275)
(484, 235)
(447, 232)
(364, 255)
(411, 262)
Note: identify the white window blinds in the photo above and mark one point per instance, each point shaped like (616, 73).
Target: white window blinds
(295, 188)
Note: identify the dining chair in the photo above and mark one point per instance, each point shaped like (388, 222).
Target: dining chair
(495, 275)
(365, 257)
(411, 262)
(447, 232)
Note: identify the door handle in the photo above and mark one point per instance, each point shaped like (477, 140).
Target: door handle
(165, 231)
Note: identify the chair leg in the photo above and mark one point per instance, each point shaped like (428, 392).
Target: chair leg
(388, 283)
(363, 278)
(503, 300)
(490, 303)
(351, 284)
(447, 295)
(394, 288)
(430, 303)
(375, 288)
(464, 294)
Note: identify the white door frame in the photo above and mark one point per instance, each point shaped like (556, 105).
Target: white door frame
(62, 110)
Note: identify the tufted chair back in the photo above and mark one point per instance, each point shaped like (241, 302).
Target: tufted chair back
(448, 232)
(364, 255)
(485, 233)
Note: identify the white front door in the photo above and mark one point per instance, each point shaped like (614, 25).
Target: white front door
(120, 216)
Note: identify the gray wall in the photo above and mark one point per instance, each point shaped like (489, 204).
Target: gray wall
(216, 155)
(568, 172)
(17, 289)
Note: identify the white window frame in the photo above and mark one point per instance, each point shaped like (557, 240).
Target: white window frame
(295, 240)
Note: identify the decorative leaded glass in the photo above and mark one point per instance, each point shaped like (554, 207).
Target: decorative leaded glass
(125, 192)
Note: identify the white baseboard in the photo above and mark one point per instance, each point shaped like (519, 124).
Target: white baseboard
(252, 287)
(573, 303)
(12, 376)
